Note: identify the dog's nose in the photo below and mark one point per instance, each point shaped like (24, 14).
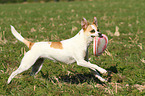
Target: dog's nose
(100, 34)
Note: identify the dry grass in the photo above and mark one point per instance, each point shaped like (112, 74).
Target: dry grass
(121, 21)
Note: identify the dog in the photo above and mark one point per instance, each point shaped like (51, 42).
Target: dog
(67, 51)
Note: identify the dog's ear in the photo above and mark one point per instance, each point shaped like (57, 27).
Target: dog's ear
(95, 21)
(84, 24)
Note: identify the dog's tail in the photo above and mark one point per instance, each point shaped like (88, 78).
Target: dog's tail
(20, 38)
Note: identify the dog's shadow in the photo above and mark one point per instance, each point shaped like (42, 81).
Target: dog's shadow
(78, 78)
(73, 78)
(113, 69)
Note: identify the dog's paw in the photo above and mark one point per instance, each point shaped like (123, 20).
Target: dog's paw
(103, 80)
(103, 71)
(108, 75)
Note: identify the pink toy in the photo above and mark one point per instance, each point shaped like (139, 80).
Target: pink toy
(100, 44)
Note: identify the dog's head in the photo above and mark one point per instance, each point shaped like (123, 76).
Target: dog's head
(90, 30)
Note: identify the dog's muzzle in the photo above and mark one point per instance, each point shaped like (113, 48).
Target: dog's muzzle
(100, 34)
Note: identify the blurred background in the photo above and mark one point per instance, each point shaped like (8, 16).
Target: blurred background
(25, 1)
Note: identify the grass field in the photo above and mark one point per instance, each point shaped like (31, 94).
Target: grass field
(125, 55)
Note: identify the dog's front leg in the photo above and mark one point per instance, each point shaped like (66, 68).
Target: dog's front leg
(87, 55)
(91, 66)
(97, 75)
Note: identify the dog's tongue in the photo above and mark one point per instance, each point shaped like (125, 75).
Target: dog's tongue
(100, 44)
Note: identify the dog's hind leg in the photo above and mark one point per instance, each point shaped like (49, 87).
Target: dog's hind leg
(37, 66)
(28, 60)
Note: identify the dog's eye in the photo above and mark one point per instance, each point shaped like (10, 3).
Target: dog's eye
(92, 31)
(98, 30)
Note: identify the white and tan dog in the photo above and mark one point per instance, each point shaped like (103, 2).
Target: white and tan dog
(68, 51)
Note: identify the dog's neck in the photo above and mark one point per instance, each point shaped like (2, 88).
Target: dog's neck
(82, 38)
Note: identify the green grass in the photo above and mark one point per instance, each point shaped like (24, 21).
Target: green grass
(125, 54)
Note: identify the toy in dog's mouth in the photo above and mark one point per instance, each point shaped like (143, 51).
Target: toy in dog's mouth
(100, 44)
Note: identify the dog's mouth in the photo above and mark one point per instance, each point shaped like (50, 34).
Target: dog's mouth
(99, 35)
(93, 36)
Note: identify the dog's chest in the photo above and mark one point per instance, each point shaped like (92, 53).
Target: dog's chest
(68, 60)
(62, 58)
(58, 55)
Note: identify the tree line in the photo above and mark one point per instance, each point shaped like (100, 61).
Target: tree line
(21, 1)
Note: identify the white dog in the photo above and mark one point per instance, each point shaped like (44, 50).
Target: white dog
(68, 51)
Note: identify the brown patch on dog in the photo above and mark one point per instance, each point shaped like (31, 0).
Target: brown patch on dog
(89, 28)
(56, 45)
(49, 43)
(28, 43)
